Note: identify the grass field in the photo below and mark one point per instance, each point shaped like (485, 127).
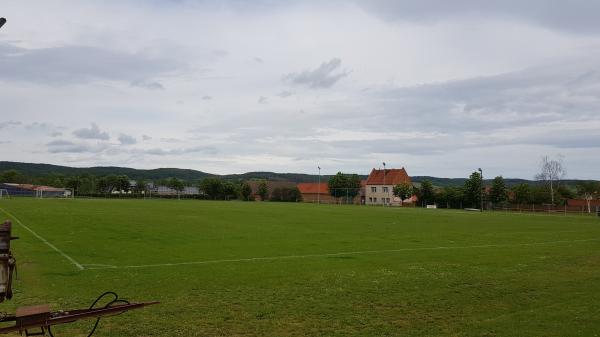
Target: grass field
(275, 269)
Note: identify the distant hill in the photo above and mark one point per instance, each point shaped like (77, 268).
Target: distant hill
(30, 169)
(37, 170)
(444, 182)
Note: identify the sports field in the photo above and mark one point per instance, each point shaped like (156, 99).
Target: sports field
(276, 269)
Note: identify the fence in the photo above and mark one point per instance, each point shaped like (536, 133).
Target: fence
(546, 208)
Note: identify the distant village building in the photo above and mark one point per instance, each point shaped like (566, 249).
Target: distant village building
(165, 190)
(34, 190)
(315, 192)
(379, 188)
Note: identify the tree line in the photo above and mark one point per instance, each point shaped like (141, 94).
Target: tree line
(499, 194)
(213, 188)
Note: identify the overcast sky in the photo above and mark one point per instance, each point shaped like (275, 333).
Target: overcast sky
(439, 87)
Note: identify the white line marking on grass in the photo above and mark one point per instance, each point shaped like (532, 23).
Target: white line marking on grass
(79, 266)
(364, 252)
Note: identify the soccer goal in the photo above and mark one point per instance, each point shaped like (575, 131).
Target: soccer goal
(65, 193)
(4, 193)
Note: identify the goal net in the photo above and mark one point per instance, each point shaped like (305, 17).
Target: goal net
(54, 193)
(4, 193)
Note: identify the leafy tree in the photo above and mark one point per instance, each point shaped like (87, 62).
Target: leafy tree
(452, 197)
(12, 176)
(344, 185)
(565, 192)
(522, 193)
(141, 186)
(426, 193)
(102, 185)
(212, 187)
(74, 183)
(403, 191)
(286, 194)
(230, 190)
(113, 183)
(541, 195)
(588, 190)
(176, 184)
(245, 191)
(473, 190)
(263, 190)
(498, 193)
(123, 183)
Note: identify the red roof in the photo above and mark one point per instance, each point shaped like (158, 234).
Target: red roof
(392, 177)
(583, 202)
(313, 188)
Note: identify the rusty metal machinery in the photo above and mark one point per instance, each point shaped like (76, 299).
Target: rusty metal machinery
(40, 316)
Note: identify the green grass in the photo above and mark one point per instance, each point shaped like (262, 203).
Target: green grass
(412, 272)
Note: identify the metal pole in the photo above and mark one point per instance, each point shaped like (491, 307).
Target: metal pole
(384, 183)
(319, 187)
(481, 189)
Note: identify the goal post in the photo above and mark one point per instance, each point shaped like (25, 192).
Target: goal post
(66, 193)
(69, 193)
(4, 193)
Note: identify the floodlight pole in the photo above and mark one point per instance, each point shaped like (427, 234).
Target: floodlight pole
(319, 187)
(384, 183)
(481, 188)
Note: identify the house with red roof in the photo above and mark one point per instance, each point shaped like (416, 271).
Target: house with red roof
(380, 185)
(316, 192)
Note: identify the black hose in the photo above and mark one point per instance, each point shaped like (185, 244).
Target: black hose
(116, 299)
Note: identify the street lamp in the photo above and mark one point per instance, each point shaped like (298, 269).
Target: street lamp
(481, 188)
(319, 187)
(384, 183)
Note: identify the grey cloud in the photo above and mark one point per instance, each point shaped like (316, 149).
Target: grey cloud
(56, 134)
(324, 76)
(171, 140)
(285, 94)
(206, 98)
(258, 60)
(262, 100)
(65, 146)
(76, 64)
(126, 139)
(147, 85)
(559, 92)
(576, 16)
(168, 152)
(146, 137)
(93, 132)
(8, 124)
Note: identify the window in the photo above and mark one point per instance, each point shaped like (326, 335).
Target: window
(374, 199)
(370, 199)
(373, 189)
(385, 189)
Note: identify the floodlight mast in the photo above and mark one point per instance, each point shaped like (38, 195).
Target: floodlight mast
(481, 188)
(319, 187)
(384, 198)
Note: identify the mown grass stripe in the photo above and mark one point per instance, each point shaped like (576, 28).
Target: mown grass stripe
(70, 259)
